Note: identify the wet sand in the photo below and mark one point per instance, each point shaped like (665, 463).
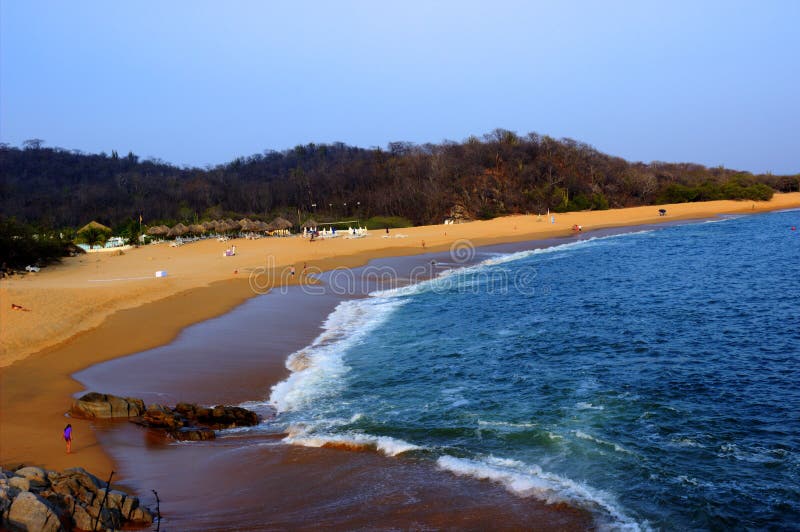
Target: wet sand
(250, 480)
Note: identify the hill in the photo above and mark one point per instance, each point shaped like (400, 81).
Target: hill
(499, 173)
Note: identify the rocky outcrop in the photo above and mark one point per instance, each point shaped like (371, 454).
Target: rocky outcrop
(70, 500)
(99, 405)
(219, 417)
(186, 422)
(30, 512)
(190, 422)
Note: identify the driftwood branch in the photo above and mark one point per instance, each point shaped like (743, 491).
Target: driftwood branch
(103, 503)
(158, 511)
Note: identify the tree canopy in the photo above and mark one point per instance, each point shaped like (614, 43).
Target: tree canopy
(499, 173)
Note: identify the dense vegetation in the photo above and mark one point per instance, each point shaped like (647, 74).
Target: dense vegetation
(20, 246)
(500, 173)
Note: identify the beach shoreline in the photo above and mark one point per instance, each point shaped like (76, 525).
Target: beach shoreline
(37, 386)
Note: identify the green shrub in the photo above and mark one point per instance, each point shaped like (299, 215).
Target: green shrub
(739, 187)
(392, 222)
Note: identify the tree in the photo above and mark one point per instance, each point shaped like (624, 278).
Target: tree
(92, 236)
(32, 144)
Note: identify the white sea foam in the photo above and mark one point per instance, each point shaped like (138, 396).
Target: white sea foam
(588, 406)
(756, 455)
(506, 424)
(317, 369)
(686, 442)
(448, 277)
(582, 435)
(531, 481)
(383, 444)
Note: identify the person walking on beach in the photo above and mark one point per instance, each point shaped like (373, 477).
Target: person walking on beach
(68, 437)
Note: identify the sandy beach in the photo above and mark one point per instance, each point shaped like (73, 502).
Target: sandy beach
(99, 307)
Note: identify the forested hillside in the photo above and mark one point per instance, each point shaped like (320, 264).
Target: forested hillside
(499, 173)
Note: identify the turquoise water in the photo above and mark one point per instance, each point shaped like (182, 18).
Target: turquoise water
(651, 377)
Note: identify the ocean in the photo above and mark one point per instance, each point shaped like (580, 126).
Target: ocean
(652, 377)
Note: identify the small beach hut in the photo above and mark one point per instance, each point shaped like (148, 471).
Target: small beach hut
(94, 225)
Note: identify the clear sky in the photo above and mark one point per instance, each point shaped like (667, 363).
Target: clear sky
(195, 82)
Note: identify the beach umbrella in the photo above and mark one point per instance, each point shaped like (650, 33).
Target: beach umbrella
(258, 225)
(156, 230)
(196, 229)
(281, 223)
(178, 230)
(209, 226)
(225, 227)
(247, 225)
(310, 224)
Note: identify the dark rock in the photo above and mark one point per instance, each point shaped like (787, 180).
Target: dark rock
(114, 499)
(34, 474)
(73, 499)
(29, 512)
(141, 517)
(21, 483)
(159, 416)
(107, 518)
(131, 503)
(190, 422)
(78, 483)
(193, 434)
(6, 496)
(99, 405)
(227, 417)
(82, 519)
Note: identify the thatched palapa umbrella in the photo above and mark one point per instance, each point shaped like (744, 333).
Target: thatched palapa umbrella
(178, 230)
(281, 223)
(247, 225)
(158, 230)
(196, 229)
(310, 224)
(233, 225)
(208, 226)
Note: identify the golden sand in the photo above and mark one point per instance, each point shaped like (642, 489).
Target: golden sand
(100, 306)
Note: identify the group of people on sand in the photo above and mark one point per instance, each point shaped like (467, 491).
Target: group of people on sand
(230, 252)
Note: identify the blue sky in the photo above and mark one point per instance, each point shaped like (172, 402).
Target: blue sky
(204, 82)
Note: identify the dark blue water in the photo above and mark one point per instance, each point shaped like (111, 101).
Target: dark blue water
(652, 377)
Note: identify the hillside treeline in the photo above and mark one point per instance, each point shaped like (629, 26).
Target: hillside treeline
(499, 173)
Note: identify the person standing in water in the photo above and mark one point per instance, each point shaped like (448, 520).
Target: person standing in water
(68, 437)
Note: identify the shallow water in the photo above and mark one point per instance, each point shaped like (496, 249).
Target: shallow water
(652, 378)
